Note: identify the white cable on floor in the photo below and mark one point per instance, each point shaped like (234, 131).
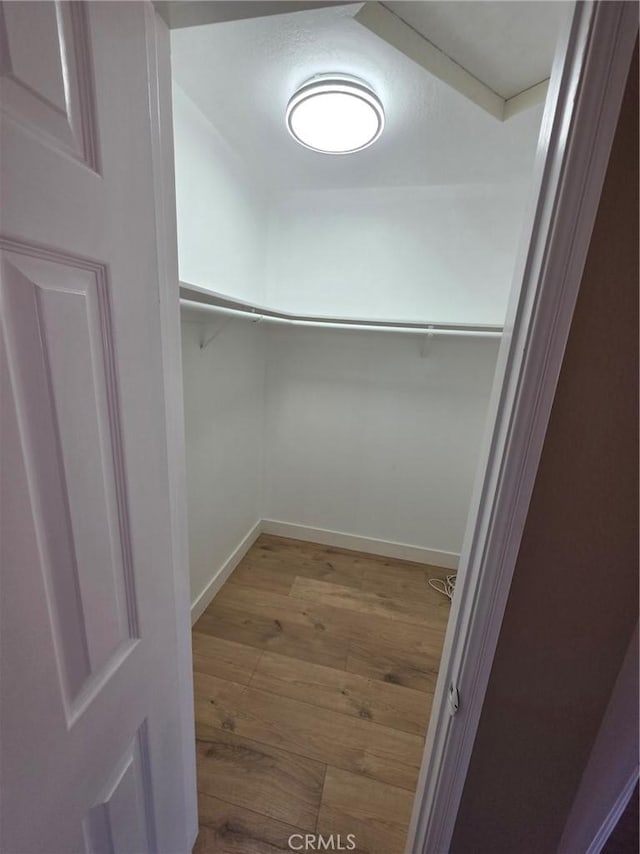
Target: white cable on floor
(446, 587)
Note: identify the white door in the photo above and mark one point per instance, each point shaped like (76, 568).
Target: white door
(93, 721)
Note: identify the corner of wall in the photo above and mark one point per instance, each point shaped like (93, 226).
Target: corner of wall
(262, 498)
(204, 598)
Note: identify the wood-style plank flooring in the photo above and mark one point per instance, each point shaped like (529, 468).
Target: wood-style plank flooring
(314, 671)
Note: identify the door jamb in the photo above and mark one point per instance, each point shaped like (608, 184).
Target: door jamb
(162, 163)
(585, 94)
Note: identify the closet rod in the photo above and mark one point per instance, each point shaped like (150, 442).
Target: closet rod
(256, 316)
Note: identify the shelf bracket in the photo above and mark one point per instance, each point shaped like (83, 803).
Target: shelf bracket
(427, 341)
(204, 340)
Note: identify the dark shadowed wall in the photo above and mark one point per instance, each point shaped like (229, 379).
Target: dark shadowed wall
(573, 603)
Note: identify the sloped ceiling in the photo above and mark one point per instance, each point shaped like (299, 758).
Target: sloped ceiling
(241, 74)
(508, 46)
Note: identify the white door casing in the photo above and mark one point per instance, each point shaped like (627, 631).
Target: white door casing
(95, 704)
(586, 89)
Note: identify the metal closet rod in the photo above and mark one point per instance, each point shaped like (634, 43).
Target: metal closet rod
(212, 303)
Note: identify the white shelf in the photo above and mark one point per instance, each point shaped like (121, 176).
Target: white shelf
(201, 299)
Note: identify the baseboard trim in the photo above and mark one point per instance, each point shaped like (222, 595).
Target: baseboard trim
(384, 548)
(201, 602)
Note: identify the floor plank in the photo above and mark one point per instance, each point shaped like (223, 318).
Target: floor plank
(407, 582)
(256, 776)
(277, 632)
(348, 693)
(376, 814)
(354, 744)
(262, 575)
(287, 545)
(229, 829)
(394, 665)
(284, 546)
(340, 623)
(226, 829)
(288, 551)
(226, 659)
(340, 596)
(274, 573)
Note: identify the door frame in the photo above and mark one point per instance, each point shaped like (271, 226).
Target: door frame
(158, 57)
(585, 93)
(580, 118)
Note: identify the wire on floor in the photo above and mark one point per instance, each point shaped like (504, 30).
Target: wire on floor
(445, 586)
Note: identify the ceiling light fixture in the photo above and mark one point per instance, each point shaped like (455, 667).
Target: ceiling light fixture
(335, 114)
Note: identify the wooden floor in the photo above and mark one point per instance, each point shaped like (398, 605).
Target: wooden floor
(314, 672)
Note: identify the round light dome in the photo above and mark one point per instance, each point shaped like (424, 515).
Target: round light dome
(335, 114)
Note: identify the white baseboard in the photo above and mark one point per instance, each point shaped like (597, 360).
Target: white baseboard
(418, 554)
(201, 602)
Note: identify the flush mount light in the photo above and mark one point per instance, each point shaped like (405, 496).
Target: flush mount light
(335, 114)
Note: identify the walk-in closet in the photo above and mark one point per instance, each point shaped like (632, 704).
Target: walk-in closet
(343, 301)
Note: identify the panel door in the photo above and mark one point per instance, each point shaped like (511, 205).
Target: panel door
(93, 715)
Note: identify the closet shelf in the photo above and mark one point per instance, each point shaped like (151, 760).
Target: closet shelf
(200, 299)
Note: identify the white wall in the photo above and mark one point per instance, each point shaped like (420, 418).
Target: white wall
(221, 211)
(223, 395)
(440, 253)
(366, 437)
(353, 432)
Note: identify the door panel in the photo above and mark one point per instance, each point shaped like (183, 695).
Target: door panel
(48, 89)
(121, 820)
(94, 710)
(66, 391)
